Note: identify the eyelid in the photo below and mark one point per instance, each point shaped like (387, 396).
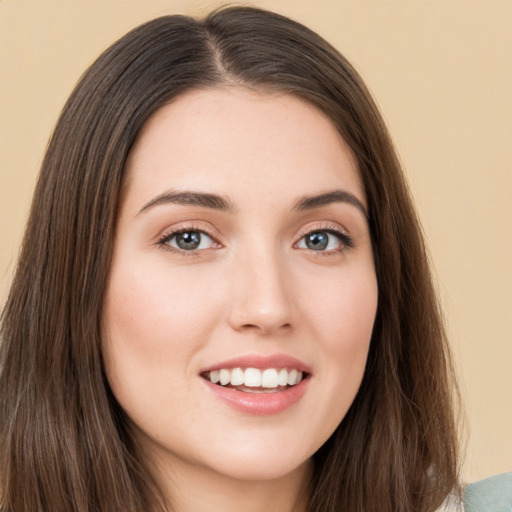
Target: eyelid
(335, 229)
(184, 227)
(346, 241)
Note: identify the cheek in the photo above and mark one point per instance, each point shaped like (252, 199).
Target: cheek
(156, 310)
(344, 314)
(343, 318)
(340, 317)
(153, 324)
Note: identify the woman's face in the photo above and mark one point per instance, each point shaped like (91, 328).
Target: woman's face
(242, 253)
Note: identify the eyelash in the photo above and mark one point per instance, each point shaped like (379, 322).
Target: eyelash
(346, 242)
(164, 240)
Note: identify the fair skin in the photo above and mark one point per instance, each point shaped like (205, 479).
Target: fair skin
(221, 264)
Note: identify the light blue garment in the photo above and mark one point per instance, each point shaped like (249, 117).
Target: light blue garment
(490, 495)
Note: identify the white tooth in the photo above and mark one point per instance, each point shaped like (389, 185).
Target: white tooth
(299, 377)
(292, 377)
(252, 378)
(282, 378)
(214, 376)
(237, 377)
(225, 377)
(269, 378)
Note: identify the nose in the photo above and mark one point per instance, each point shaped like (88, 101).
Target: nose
(261, 295)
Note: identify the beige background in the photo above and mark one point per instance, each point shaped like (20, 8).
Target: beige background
(442, 74)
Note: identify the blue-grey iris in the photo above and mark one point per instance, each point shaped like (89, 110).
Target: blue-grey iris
(189, 240)
(317, 241)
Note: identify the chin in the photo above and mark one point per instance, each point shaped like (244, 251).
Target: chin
(261, 461)
(261, 470)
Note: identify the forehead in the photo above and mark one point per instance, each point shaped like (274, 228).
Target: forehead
(223, 137)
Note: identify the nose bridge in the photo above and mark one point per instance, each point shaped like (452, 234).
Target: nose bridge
(261, 299)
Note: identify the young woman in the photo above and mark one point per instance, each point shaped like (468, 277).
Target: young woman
(223, 298)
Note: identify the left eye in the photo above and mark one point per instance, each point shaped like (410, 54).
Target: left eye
(320, 241)
(189, 240)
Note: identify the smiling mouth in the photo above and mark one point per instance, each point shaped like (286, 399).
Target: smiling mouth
(255, 380)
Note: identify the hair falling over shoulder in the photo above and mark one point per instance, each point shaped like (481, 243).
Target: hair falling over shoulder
(65, 444)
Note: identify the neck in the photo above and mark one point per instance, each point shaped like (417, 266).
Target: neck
(192, 488)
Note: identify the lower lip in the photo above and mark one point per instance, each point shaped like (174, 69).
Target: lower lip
(260, 404)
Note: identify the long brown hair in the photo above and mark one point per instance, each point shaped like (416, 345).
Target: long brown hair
(65, 444)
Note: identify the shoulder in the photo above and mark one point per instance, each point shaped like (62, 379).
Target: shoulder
(490, 495)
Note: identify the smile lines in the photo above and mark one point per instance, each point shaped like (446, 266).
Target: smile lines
(269, 378)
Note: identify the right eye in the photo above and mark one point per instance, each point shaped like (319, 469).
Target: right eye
(188, 240)
(320, 241)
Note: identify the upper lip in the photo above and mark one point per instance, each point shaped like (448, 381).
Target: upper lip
(261, 362)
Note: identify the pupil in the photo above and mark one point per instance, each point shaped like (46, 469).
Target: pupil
(188, 240)
(317, 241)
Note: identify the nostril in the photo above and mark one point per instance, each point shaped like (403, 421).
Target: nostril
(264, 328)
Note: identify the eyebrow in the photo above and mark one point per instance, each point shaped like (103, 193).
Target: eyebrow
(217, 202)
(203, 199)
(327, 198)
